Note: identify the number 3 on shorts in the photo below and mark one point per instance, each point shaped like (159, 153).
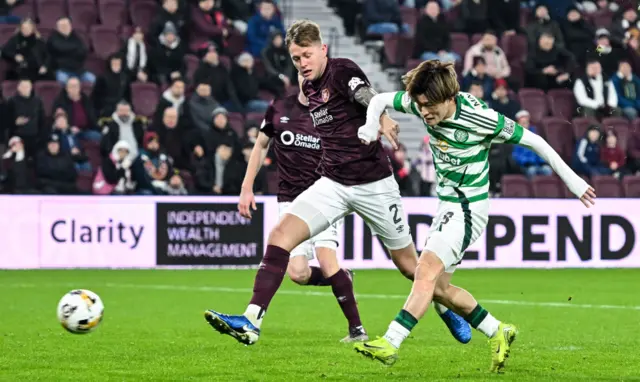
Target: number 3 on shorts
(394, 209)
(445, 219)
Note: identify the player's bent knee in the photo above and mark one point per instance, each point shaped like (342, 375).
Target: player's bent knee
(289, 232)
(299, 273)
(429, 268)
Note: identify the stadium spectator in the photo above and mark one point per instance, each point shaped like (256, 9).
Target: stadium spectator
(238, 11)
(169, 12)
(176, 185)
(578, 35)
(55, 171)
(544, 24)
(228, 171)
(504, 16)
(623, 25)
(432, 37)
(157, 163)
(500, 163)
(586, 159)
(277, 61)
(613, 156)
(478, 74)
(477, 90)
(548, 66)
(5, 11)
(201, 106)
(608, 55)
(16, 168)
(208, 23)
(247, 84)
(589, 6)
(111, 87)
(121, 175)
(349, 11)
(424, 166)
(25, 119)
(627, 87)
(202, 169)
(176, 139)
(555, 9)
(69, 142)
(27, 52)
(68, 53)
(174, 97)
(474, 16)
(528, 160)
(383, 17)
(220, 132)
(260, 27)
(123, 125)
(79, 108)
(501, 102)
(595, 94)
(136, 55)
(494, 57)
(168, 57)
(402, 170)
(251, 131)
(633, 148)
(213, 72)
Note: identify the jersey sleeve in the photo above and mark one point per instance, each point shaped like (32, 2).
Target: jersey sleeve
(267, 126)
(404, 104)
(349, 78)
(494, 126)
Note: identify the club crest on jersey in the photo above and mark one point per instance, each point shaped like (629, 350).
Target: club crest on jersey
(461, 136)
(325, 95)
(442, 145)
(284, 119)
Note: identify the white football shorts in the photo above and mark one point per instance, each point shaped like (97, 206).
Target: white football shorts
(325, 239)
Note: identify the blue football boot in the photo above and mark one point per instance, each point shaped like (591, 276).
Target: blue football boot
(238, 327)
(458, 327)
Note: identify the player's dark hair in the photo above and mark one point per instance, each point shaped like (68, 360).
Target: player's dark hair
(303, 33)
(434, 79)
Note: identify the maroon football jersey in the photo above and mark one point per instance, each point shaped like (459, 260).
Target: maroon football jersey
(337, 118)
(296, 146)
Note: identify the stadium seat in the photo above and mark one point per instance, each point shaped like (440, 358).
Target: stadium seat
(515, 186)
(601, 18)
(557, 131)
(546, 187)
(266, 95)
(83, 13)
(475, 38)
(568, 194)
(84, 182)
(25, 10)
(581, 125)
(113, 12)
(235, 44)
(515, 48)
(459, 43)
(412, 63)
(409, 17)
(631, 186)
(525, 15)
(517, 73)
(187, 179)
(48, 91)
(86, 40)
(9, 89)
(95, 64)
(255, 117)
(6, 32)
(236, 121)
(49, 11)
(142, 13)
(535, 101)
(620, 126)
(191, 62)
(562, 103)
(105, 41)
(397, 49)
(607, 186)
(144, 98)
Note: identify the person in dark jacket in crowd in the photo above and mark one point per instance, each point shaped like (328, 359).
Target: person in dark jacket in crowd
(174, 97)
(260, 27)
(586, 159)
(237, 9)
(17, 167)
(627, 87)
(24, 118)
(5, 11)
(111, 87)
(227, 171)
(544, 24)
(474, 16)
(170, 12)
(127, 175)
(276, 59)
(220, 131)
(136, 56)
(55, 171)
(549, 66)
(79, 108)
(382, 17)
(27, 51)
(578, 35)
(122, 125)
(609, 55)
(501, 102)
(213, 72)
(248, 84)
(202, 169)
(201, 106)
(208, 23)
(504, 16)
(69, 142)
(168, 57)
(177, 140)
(68, 53)
(433, 39)
(478, 75)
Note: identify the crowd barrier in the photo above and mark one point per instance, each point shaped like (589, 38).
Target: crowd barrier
(147, 232)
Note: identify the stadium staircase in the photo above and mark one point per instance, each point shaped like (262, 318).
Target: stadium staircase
(341, 45)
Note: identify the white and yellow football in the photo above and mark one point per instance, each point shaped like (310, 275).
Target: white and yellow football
(80, 311)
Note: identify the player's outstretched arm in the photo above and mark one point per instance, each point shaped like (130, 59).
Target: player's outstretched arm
(376, 106)
(258, 153)
(576, 184)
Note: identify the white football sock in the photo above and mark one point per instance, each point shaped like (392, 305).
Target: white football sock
(255, 313)
(441, 309)
(396, 334)
(489, 326)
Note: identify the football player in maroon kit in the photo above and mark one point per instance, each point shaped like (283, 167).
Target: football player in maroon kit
(354, 177)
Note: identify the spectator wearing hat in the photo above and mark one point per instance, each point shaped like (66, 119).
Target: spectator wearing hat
(248, 84)
(123, 125)
(169, 12)
(433, 40)
(549, 66)
(213, 72)
(136, 56)
(219, 131)
(55, 171)
(578, 35)
(478, 74)
(627, 87)
(504, 16)
(260, 27)
(477, 90)
(474, 16)
(79, 109)
(530, 162)
(209, 24)
(111, 87)
(68, 53)
(168, 57)
(25, 118)
(608, 54)
(501, 102)
(119, 174)
(587, 159)
(157, 163)
(69, 142)
(277, 61)
(595, 94)
(543, 23)
(201, 106)
(17, 168)
(494, 57)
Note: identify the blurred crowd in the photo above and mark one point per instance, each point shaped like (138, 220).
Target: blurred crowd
(140, 97)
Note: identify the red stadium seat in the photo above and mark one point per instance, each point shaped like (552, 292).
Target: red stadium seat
(144, 98)
(535, 101)
(581, 125)
(631, 186)
(9, 89)
(48, 91)
(25, 10)
(6, 32)
(607, 186)
(515, 48)
(459, 43)
(95, 64)
(547, 187)
(142, 13)
(621, 127)
(84, 182)
(476, 38)
(105, 41)
(515, 186)
(409, 16)
(557, 131)
(562, 103)
(49, 11)
(602, 18)
(255, 117)
(83, 13)
(397, 49)
(192, 62)
(113, 12)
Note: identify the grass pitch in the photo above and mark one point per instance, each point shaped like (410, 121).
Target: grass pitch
(574, 325)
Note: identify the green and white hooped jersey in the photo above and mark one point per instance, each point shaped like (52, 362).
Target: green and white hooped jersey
(460, 145)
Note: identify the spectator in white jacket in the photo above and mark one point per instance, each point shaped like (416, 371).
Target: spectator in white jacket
(496, 60)
(596, 96)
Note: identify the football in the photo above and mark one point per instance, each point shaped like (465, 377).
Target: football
(80, 311)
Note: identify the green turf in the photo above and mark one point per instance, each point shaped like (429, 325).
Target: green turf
(154, 328)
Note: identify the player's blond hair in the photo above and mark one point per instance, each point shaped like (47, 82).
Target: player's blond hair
(434, 79)
(303, 33)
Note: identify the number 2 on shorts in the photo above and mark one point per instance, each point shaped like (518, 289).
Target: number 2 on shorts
(394, 208)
